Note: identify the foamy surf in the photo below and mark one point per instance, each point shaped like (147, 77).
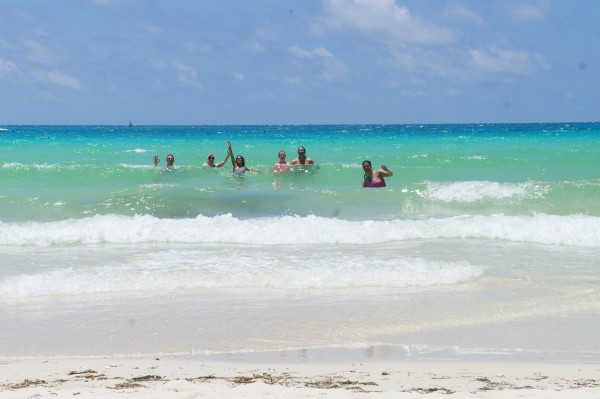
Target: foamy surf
(572, 230)
(168, 271)
(473, 191)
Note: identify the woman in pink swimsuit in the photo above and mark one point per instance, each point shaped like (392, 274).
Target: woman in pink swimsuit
(375, 178)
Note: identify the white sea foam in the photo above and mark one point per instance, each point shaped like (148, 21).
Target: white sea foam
(476, 157)
(136, 166)
(165, 271)
(138, 150)
(17, 165)
(472, 191)
(575, 230)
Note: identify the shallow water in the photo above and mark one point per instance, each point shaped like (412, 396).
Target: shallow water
(485, 239)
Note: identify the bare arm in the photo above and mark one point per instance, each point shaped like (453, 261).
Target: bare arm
(230, 153)
(385, 172)
(223, 161)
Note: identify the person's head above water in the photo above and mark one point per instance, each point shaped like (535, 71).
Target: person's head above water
(302, 158)
(170, 160)
(240, 161)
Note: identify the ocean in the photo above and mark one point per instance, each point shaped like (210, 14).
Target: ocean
(485, 241)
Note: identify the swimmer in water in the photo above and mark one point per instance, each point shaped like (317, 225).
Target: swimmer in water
(282, 165)
(302, 158)
(239, 163)
(170, 161)
(210, 161)
(375, 178)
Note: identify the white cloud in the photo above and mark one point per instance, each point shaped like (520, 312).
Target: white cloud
(318, 52)
(463, 13)
(330, 67)
(383, 17)
(495, 60)
(112, 3)
(152, 29)
(159, 63)
(7, 68)
(527, 12)
(4, 44)
(193, 47)
(293, 81)
(300, 53)
(238, 76)
(421, 61)
(335, 70)
(321, 52)
(254, 46)
(40, 32)
(186, 75)
(62, 79)
(183, 73)
(412, 93)
(106, 3)
(40, 53)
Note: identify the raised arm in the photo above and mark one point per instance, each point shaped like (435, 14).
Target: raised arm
(230, 152)
(384, 171)
(223, 161)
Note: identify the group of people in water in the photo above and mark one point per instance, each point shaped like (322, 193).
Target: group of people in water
(372, 178)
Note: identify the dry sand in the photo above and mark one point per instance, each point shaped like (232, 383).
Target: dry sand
(191, 377)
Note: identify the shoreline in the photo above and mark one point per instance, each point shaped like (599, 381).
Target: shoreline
(186, 376)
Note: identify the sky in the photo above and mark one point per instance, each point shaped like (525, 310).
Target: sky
(232, 62)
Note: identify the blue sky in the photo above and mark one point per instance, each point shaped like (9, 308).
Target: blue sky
(298, 61)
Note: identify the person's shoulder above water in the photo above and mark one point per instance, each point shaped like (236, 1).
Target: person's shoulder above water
(302, 158)
(238, 162)
(210, 161)
(375, 178)
(170, 162)
(281, 166)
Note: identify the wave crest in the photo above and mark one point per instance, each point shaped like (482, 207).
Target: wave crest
(575, 230)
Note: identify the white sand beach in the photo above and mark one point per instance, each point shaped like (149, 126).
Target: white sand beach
(190, 377)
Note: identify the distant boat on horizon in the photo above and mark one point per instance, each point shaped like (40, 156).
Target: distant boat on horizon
(130, 123)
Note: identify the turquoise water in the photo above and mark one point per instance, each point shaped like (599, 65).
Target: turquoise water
(481, 228)
(53, 172)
